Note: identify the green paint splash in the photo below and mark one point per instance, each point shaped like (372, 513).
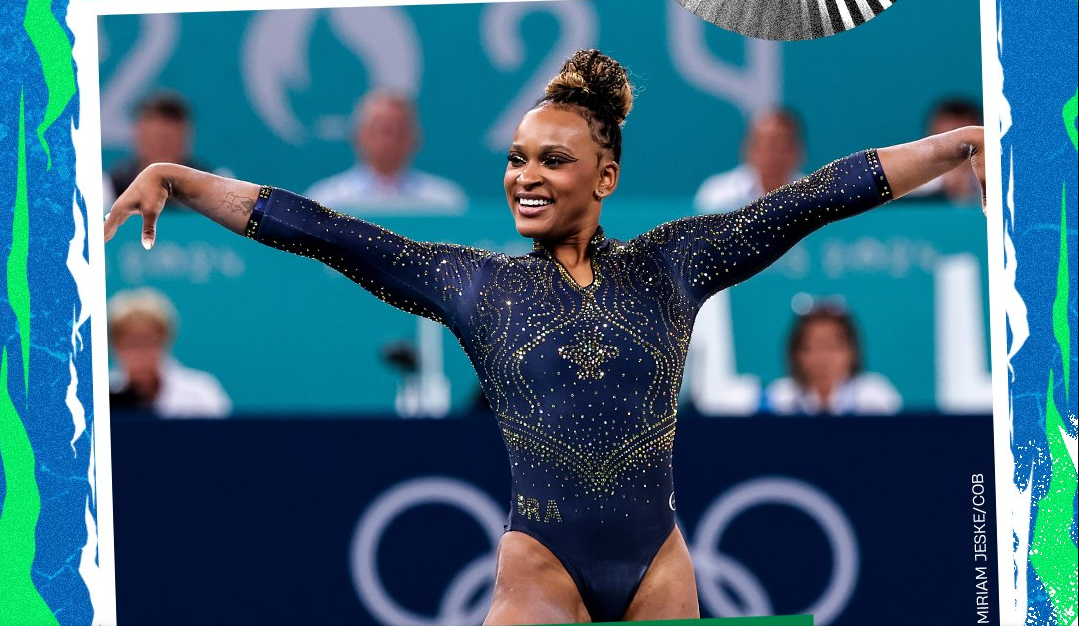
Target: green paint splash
(18, 281)
(1070, 114)
(20, 602)
(54, 50)
(1061, 329)
(1052, 554)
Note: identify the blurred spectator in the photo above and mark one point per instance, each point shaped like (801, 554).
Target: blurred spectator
(162, 132)
(824, 359)
(772, 155)
(385, 137)
(959, 186)
(142, 325)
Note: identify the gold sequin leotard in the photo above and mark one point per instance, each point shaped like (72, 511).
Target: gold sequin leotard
(584, 380)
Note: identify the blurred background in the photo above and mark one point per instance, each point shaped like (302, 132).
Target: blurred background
(402, 115)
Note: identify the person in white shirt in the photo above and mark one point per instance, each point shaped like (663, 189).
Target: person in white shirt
(772, 156)
(142, 325)
(386, 136)
(824, 359)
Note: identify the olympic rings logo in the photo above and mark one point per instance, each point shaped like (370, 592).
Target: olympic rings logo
(716, 572)
(714, 568)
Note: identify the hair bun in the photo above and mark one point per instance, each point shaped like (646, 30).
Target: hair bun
(593, 80)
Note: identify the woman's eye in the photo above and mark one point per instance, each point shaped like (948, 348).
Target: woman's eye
(553, 160)
(515, 159)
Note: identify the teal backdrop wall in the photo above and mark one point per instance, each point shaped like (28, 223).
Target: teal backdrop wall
(273, 91)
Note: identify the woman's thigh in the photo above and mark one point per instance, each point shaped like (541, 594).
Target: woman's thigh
(532, 586)
(669, 590)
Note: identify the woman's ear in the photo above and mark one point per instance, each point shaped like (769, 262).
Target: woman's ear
(608, 179)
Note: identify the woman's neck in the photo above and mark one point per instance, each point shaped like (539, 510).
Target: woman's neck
(574, 253)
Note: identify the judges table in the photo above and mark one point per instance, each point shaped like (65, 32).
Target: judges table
(288, 334)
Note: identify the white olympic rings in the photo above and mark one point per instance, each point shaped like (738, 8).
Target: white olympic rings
(714, 568)
(462, 602)
(363, 555)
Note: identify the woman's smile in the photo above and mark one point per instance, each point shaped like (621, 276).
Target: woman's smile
(532, 205)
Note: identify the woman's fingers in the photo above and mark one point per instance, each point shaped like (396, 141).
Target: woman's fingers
(149, 229)
(977, 161)
(113, 220)
(121, 211)
(146, 197)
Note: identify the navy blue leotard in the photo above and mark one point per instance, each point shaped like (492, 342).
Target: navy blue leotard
(584, 380)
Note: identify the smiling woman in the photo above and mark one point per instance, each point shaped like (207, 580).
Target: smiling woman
(580, 344)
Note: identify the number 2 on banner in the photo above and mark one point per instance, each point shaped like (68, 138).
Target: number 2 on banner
(500, 29)
(134, 75)
(750, 88)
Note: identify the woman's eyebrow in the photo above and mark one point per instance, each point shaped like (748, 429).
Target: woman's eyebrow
(547, 147)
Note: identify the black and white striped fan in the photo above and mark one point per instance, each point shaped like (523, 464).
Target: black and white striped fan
(787, 19)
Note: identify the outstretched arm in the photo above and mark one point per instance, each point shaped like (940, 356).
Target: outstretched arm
(711, 252)
(427, 279)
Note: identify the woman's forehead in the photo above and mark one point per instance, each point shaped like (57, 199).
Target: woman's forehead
(552, 125)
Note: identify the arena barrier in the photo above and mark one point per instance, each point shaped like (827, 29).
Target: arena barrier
(884, 521)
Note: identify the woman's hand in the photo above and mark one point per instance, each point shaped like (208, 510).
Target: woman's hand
(911, 165)
(224, 200)
(145, 196)
(977, 161)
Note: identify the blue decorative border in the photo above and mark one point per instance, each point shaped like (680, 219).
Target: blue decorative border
(48, 512)
(48, 518)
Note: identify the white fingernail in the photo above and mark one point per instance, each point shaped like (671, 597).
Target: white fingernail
(147, 243)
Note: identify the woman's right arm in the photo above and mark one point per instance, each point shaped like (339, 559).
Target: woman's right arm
(224, 200)
(427, 279)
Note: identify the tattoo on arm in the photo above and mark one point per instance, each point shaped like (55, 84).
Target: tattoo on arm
(237, 204)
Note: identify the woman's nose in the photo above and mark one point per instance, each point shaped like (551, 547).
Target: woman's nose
(529, 176)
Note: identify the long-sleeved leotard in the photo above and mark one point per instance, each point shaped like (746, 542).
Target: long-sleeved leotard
(584, 380)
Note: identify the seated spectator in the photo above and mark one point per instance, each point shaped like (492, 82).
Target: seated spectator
(385, 138)
(163, 132)
(824, 359)
(959, 186)
(772, 155)
(142, 325)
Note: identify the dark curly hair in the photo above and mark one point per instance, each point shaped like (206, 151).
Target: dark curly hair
(598, 88)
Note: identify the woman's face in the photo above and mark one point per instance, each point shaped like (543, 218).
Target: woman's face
(825, 355)
(556, 175)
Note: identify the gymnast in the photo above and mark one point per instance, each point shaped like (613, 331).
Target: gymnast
(580, 344)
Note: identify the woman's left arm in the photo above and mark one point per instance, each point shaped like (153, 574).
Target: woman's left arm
(911, 165)
(712, 252)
